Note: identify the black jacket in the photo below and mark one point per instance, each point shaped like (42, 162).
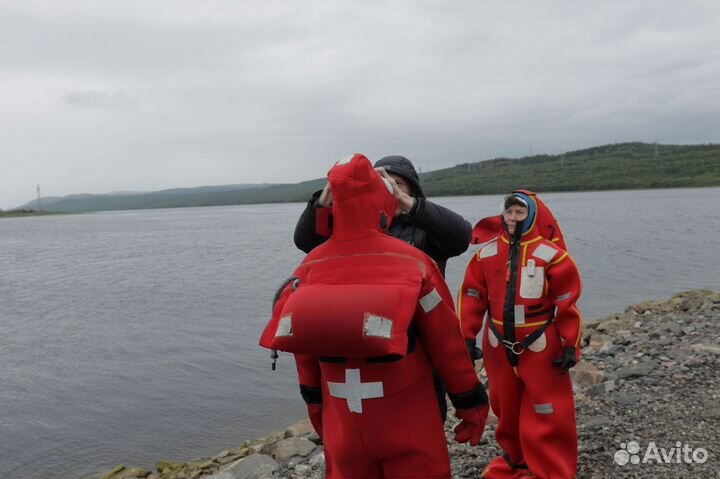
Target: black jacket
(437, 231)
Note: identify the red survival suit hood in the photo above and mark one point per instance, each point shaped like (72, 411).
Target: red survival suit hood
(355, 280)
(363, 202)
(545, 224)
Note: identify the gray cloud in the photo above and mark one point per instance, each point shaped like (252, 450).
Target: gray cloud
(102, 96)
(118, 100)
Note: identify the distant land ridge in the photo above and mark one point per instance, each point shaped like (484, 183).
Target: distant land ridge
(608, 167)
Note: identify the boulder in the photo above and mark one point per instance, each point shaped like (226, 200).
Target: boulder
(294, 446)
(302, 469)
(254, 466)
(706, 348)
(642, 307)
(636, 370)
(318, 460)
(166, 467)
(221, 475)
(595, 343)
(122, 472)
(690, 300)
(586, 375)
(610, 325)
(300, 428)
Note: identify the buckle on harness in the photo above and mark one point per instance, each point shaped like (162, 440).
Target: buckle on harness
(516, 348)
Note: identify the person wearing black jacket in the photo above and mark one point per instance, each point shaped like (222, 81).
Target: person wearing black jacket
(437, 231)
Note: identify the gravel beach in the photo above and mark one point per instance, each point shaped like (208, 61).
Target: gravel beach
(647, 396)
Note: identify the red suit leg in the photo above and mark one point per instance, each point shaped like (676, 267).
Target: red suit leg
(547, 428)
(395, 436)
(413, 446)
(506, 390)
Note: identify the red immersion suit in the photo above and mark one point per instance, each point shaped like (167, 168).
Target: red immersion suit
(367, 318)
(528, 285)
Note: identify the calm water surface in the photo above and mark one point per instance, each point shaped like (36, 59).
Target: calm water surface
(129, 337)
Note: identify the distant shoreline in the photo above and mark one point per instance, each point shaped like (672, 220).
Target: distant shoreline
(26, 213)
(624, 166)
(16, 213)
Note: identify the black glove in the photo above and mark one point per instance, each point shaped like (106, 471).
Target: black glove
(567, 360)
(475, 352)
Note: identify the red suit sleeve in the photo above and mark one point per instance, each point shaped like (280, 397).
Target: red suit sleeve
(564, 288)
(309, 377)
(441, 335)
(308, 369)
(472, 299)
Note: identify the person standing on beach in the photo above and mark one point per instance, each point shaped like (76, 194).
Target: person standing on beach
(529, 286)
(367, 317)
(435, 230)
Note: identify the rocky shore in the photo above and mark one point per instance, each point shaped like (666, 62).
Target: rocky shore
(647, 396)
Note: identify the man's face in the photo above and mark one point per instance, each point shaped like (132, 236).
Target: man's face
(402, 184)
(513, 215)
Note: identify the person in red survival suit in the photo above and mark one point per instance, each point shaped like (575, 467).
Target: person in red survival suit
(435, 230)
(365, 315)
(529, 286)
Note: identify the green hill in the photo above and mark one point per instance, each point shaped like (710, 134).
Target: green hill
(181, 197)
(609, 167)
(616, 166)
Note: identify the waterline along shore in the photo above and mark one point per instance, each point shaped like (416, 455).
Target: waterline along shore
(647, 397)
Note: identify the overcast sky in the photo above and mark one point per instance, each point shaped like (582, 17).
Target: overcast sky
(100, 96)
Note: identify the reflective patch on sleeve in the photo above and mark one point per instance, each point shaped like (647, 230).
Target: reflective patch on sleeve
(519, 314)
(377, 326)
(430, 300)
(545, 252)
(285, 326)
(473, 292)
(544, 408)
(563, 297)
(488, 250)
(485, 243)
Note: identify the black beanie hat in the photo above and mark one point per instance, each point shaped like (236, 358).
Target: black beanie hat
(401, 166)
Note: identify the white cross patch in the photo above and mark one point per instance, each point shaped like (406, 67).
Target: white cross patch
(355, 391)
